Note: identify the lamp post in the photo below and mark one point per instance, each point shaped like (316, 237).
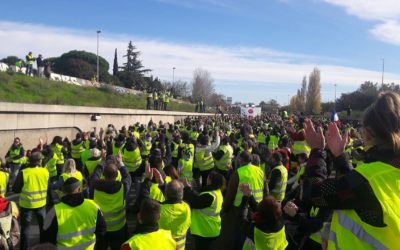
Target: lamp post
(335, 96)
(173, 75)
(97, 72)
(383, 68)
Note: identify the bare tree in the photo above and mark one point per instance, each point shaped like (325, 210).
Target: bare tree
(202, 85)
(313, 102)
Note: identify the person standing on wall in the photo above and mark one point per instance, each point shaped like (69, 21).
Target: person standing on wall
(29, 63)
(149, 99)
(40, 66)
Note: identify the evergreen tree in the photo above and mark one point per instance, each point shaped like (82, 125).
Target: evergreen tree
(115, 66)
(133, 64)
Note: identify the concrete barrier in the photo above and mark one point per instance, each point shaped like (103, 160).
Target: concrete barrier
(31, 121)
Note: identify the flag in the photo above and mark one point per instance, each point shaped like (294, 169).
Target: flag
(334, 116)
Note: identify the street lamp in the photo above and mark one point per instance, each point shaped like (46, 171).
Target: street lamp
(383, 68)
(173, 75)
(97, 72)
(335, 96)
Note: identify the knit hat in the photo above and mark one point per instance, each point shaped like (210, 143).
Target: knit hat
(70, 185)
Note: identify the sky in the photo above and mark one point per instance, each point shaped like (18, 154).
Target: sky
(255, 50)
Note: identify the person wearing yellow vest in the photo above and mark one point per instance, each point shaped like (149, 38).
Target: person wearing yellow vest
(29, 63)
(50, 162)
(148, 234)
(75, 222)
(149, 99)
(13, 158)
(370, 189)
(175, 145)
(203, 159)
(77, 148)
(185, 165)
(277, 180)
(70, 170)
(4, 180)
(155, 100)
(58, 149)
(110, 194)
(175, 213)
(32, 185)
(272, 141)
(233, 228)
(223, 157)
(133, 161)
(206, 208)
(146, 147)
(86, 154)
(267, 222)
(92, 163)
(167, 100)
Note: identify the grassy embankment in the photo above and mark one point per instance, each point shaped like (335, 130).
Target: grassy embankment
(24, 89)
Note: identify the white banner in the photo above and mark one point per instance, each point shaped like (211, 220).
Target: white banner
(250, 111)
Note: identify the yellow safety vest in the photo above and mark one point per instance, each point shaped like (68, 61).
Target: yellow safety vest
(85, 156)
(58, 154)
(132, 159)
(194, 135)
(187, 169)
(91, 165)
(273, 142)
(317, 236)
(146, 148)
(77, 174)
(113, 208)
(279, 191)
(4, 177)
(299, 147)
(348, 231)
(51, 166)
(34, 190)
(174, 152)
(118, 178)
(190, 147)
(76, 225)
(261, 139)
(225, 162)
(176, 218)
(13, 153)
(206, 222)
(155, 191)
(76, 150)
(30, 59)
(203, 162)
(253, 176)
(267, 241)
(160, 239)
(116, 150)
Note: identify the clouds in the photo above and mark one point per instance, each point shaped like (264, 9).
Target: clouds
(385, 12)
(229, 66)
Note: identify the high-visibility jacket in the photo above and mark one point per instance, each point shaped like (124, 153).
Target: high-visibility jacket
(188, 147)
(30, 59)
(174, 152)
(150, 95)
(317, 236)
(13, 152)
(225, 162)
(155, 97)
(155, 191)
(76, 225)
(58, 154)
(76, 150)
(261, 138)
(267, 241)
(206, 222)
(279, 190)
(194, 135)
(85, 156)
(146, 148)
(202, 161)
(273, 142)
(77, 175)
(91, 165)
(34, 189)
(132, 159)
(176, 218)
(160, 239)
(51, 166)
(113, 208)
(186, 169)
(299, 147)
(253, 176)
(116, 150)
(4, 177)
(348, 231)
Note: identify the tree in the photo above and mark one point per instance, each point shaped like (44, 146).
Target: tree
(302, 95)
(178, 88)
(81, 64)
(115, 66)
(313, 102)
(202, 85)
(10, 60)
(272, 106)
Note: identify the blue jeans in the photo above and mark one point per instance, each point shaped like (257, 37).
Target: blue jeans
(14, 172)
(29, 68)
(26, 219)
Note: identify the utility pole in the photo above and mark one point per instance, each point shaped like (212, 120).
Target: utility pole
(173, 75)
(97, 72)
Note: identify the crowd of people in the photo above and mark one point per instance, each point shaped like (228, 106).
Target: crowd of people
(220, 182)
(158, 100)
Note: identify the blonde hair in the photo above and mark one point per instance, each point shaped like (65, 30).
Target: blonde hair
(69, 166)
(382, 120)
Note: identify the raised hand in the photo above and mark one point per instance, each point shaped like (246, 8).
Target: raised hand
(148, 171)
(245, 189)
(314, 137)
(158, 177)
(335, 141)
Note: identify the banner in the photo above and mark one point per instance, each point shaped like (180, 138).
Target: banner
(250, 111)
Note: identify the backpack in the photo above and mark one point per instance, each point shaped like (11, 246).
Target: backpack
(6, 219)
